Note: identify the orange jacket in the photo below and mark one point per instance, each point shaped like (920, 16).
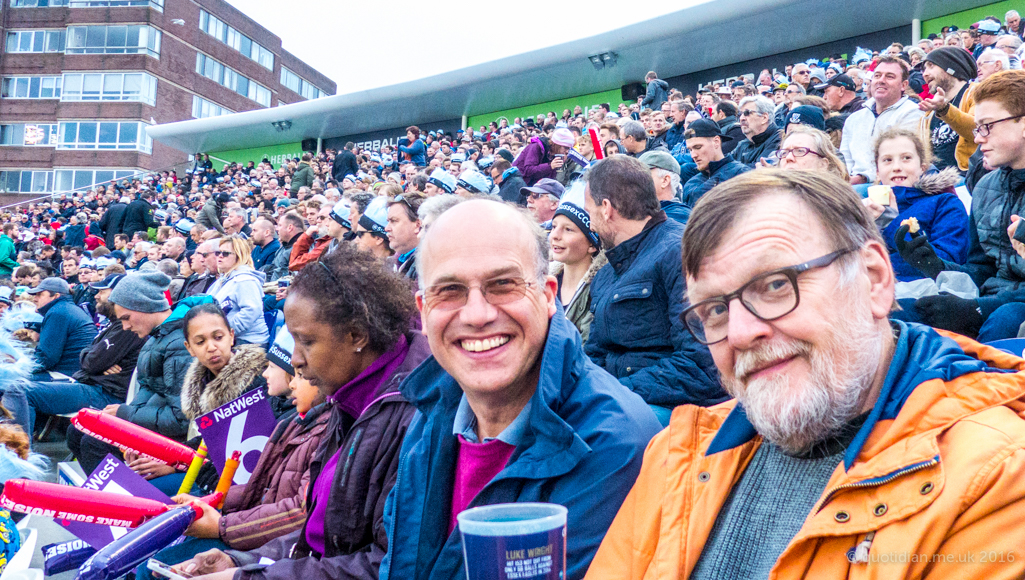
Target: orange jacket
(306, 250)
(936, 492)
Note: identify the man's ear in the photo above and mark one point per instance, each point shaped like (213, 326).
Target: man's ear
(606, 209)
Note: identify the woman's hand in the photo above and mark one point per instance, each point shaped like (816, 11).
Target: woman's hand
(209, 562)
(208, 525)
(146, 467)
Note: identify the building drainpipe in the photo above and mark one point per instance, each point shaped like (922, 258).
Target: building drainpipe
(916, 30)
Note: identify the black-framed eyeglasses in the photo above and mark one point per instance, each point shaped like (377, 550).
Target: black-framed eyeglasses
(224, 253)
(749, 113)
(983, 129)
(769, 296)
(453, 295)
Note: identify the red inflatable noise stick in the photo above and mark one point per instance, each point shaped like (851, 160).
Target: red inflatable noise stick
(85, 505)
(596, 143)
(128, 436)
(77, 504)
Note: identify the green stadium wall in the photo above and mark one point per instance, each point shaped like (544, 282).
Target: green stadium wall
(966, 18)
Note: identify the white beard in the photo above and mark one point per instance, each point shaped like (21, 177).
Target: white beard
(796, 417)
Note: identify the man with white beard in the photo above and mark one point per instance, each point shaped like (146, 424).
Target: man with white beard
(856, 446)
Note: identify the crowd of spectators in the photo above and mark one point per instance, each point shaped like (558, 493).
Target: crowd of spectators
(558, 328)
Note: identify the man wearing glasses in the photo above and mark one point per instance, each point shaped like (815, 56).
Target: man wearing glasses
(509, 408)
(997, 201)
(856, 446)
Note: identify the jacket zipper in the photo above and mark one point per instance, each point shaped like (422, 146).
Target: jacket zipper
(876, 481)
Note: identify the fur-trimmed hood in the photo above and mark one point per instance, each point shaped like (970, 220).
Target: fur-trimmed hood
(202, 394)
(938, 182)
(597, 263)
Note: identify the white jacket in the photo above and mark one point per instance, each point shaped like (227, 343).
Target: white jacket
(240, 294)
(862, 127)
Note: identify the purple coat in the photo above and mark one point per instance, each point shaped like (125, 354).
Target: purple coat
(533, 161)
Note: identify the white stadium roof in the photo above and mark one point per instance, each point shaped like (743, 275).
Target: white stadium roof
(704, 35)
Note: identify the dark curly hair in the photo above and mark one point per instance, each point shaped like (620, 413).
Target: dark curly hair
(354, 292)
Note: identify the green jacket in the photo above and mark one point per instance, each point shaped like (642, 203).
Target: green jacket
(7, 256)
(303, 176)
(578, 311)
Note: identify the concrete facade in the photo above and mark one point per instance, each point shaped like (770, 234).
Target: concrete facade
(177, 81)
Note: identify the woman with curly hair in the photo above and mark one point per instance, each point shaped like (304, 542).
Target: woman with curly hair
(350, 319)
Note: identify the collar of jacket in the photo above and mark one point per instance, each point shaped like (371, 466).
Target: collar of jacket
(919, 355)
(726, 121)
(202, 392)
(49, 306)
(550, 447)
(623, 255)
(714, 166)
(872, 108)
(762, 137)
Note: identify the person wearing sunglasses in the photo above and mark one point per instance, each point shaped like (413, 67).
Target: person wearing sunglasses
(997, 202)
(239, 290)
(370, 234)
(851, 437)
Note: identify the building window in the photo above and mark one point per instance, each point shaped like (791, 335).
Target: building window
(299, 85)
(124, 135)
(216, 28)
(35, 41)
(37, 3)
(82, 179)
(29, 134)
(202, 108)
(134, 39)
(25, 181)
(30, 88)
(129, 86)
(228, 77)
(156, 4)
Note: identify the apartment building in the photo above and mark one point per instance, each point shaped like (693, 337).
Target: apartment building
(80, 81)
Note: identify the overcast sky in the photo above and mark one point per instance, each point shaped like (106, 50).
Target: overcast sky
(365, 44)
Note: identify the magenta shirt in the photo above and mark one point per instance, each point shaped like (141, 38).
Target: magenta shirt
(476, 465)
(354, 398)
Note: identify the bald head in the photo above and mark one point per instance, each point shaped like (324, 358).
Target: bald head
(471, 224)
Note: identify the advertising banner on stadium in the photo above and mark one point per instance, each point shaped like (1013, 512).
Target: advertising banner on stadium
(375, 140)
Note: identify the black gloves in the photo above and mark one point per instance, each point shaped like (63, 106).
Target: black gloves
(918, 252)
(951, 313)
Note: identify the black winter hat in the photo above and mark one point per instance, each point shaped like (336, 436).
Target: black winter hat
(956, 61)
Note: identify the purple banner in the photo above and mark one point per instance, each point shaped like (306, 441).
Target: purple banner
(245, 425)
(115, 477)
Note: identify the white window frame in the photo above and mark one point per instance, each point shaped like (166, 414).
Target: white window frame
(41, 40)
(39, 181)
(68, 173)
(217, 28)
(301, 87)
(44, 133)
(78, 82)
(143, 143)
(202, 108)
(213, 69)
(38, 3)
(154, 4)
(22, 87)
(148, 43)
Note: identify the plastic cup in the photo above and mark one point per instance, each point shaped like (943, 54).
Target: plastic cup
(514, 541)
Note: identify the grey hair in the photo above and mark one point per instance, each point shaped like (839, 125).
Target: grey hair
(1005, 61)
(432, 207)
(918, 51)
(1014, 40)
(143, 246)
(763, 106)
(633, 129)
(798, 87)
(1012, 13)
(674, 177)
(238, 211)
(537, 234)
(168, 266)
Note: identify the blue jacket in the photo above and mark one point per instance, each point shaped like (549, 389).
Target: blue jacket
(704, 181)
(417, 152)
(583, 449)
(263, 256)
(941, 216)
(674, 136)
(675, 210)
(65, 331)
(637, 335)
(74, 235)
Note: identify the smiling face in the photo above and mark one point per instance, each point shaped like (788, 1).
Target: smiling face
(888, 84)
(569, 244)
(898, 162)
(209, 340)
(491, 351)
(801, 376)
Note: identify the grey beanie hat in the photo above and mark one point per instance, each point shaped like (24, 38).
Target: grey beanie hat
(142, 292)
